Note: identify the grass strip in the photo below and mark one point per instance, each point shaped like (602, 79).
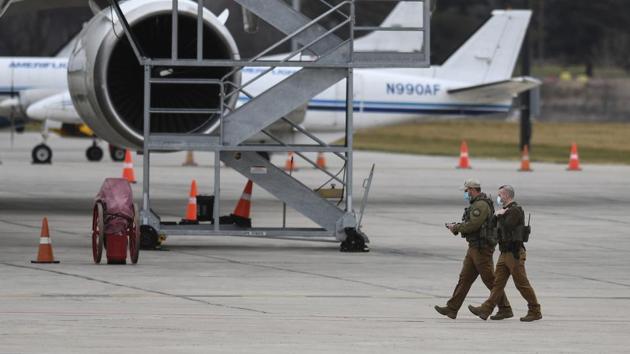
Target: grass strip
(598, 142)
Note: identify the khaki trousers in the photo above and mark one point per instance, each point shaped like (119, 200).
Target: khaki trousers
(477, 262)
(506, 266)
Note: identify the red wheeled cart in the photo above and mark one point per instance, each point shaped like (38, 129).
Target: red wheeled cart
(115, 224)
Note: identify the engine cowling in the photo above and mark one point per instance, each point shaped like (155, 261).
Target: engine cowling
(106, 82)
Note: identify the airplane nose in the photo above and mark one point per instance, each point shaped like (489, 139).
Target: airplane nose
(57, 108)
(37, 111)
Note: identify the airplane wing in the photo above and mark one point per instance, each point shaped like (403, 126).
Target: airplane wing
(496, 91)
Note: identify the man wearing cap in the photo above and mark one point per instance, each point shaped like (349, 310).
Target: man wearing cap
(478, 260)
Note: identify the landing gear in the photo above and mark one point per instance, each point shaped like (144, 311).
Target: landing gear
(355, 241)
(41, 154)
(94, 153)
(117, 154)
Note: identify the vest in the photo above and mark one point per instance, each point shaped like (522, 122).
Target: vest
(511, 235)
(483, 236)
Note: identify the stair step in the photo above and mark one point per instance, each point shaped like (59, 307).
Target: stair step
(172, 80)
(286, 188)
(277, 102)
(184, 111)
(389, 60)
(283, 17)
(282, 99)
(183, 142)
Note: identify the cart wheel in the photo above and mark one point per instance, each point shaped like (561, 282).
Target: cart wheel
(134, 236)
(149, 238)
(98, 233)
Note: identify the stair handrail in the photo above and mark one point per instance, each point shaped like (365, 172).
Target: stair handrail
(294, 34)
(284, 60)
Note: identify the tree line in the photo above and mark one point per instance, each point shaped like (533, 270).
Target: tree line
(564, 32)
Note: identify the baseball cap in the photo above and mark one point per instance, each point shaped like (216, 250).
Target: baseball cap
(471, 183)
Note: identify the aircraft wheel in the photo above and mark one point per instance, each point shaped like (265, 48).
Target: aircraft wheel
(117, 154)
(94, 153)
(41, 154)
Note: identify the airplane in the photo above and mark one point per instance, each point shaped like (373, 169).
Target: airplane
(475, 80)
(27, 83)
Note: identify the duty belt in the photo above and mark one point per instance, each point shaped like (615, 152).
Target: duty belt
(512, 247)
(476, 241)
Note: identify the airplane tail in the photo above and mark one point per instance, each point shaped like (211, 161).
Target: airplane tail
(491, 53)
(405, 14)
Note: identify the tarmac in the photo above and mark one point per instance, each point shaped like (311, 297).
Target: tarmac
(245, 295)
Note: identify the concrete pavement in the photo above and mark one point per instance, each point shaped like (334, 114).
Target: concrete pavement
(234, 295)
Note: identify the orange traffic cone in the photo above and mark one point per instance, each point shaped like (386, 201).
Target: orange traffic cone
(574, 160)
(190, 159)
(290, 164)
(525, 160)
(45, 252)
(321, 160)
(128, 173)
(240, 216)
(191, 209)
(464, 161)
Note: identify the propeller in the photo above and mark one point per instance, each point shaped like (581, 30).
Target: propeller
(12, 122)
(15, 98)
(223, 17)
(9, 105)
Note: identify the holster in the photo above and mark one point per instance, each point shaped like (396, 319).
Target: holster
(515, 249)
(516, 254)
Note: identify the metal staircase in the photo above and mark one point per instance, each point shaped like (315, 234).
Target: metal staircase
(325, 59)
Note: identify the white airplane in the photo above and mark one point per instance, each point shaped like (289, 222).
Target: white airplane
(475, 80)
(29, 83)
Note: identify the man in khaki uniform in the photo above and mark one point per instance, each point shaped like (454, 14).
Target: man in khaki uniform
(511, 227)
(478, 260)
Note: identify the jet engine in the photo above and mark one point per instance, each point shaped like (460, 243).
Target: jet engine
(106, 81)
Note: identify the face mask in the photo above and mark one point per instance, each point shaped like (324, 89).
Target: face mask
(466, 196)
(499, 201)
